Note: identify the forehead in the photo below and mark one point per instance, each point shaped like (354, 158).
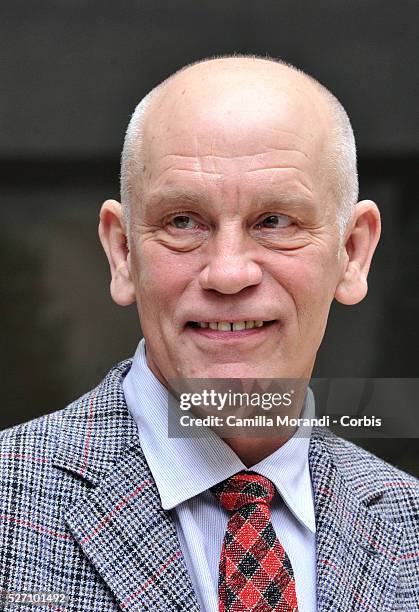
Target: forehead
(228, 104)
(233, 124)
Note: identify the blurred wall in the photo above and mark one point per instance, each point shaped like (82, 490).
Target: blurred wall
(71, 74)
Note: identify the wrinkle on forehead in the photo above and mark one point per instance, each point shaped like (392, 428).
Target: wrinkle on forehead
(225, 167)
(249, 135)
(249, 156)
(269, 161)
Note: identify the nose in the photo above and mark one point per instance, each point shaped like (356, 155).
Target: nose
(231, 266)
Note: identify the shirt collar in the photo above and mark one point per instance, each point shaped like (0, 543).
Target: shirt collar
(185, 467)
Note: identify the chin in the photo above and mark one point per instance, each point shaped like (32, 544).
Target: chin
(233, 370)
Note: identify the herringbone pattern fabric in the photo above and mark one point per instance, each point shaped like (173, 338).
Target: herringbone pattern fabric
(255, 572)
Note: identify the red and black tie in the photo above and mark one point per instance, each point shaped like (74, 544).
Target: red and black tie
(255, 572)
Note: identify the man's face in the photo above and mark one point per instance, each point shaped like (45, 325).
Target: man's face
(234, 224)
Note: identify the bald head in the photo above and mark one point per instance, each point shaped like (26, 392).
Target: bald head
(226, 97)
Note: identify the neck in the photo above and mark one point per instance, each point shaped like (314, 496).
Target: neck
(252, 450)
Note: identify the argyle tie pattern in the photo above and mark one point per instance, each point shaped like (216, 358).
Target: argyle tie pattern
(255, 573)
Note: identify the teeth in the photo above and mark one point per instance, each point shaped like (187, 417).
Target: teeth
(226, 326)
(238, 326)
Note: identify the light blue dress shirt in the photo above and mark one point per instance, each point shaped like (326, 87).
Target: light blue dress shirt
(185, 468)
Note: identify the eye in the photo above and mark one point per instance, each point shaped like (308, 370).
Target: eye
(183, 222)
(274, 222)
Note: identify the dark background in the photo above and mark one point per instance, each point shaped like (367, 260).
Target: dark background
(71, 74)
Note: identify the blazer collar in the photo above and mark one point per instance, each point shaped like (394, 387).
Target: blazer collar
(124, 531)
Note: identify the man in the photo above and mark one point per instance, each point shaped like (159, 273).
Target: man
(238, 226)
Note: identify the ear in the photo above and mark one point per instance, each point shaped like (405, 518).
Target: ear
(361, 239)
(113, 238)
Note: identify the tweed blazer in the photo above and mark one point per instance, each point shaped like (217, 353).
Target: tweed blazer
(80, 515)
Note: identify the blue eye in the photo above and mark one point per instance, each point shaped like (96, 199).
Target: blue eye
(274, 222)
(183, 222)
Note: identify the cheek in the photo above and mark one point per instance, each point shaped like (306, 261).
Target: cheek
(309, 278)
(162, 277)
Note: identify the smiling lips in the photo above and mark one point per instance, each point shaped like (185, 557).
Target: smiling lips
(228, 326)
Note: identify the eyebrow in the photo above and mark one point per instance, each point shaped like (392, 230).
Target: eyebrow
(296, 199)
(172, 195)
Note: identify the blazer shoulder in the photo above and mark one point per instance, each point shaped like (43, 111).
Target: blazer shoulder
(36, 434)
(375, 481)
(33, 443)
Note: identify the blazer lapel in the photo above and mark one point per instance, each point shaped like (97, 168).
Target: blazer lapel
(119, 523)
(131, 540)
(357, 550)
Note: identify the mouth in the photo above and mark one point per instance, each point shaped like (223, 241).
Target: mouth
(230, 326)
(243, 335)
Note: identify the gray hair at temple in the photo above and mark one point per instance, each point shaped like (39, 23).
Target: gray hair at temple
(340, 161)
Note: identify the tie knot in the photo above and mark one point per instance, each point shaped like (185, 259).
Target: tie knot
(244, 488)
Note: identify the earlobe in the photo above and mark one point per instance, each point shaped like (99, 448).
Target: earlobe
(113, 239)
(122, 288)
(361, 241)
(353, 287)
